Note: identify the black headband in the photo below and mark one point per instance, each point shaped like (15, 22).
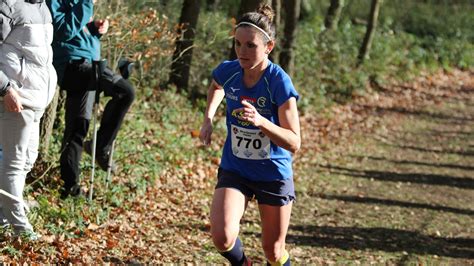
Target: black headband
(34, 1)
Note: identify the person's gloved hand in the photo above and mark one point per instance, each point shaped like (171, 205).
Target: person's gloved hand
(102, 25)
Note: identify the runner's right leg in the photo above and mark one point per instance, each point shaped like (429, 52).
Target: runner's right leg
(227, 209)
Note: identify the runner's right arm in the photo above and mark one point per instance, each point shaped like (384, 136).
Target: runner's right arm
(215, 95)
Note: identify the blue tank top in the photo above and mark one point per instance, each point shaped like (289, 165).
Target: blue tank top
(247, 151)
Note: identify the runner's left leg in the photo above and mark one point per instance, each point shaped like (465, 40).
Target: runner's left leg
(275, 222)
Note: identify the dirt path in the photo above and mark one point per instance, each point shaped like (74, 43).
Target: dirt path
(389, 178)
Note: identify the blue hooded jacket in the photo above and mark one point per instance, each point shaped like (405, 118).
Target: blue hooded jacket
(75, 35)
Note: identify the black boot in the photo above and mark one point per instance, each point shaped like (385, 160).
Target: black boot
(74, 191)
(125, 67)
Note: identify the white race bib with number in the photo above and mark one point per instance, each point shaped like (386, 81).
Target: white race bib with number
(250, 144)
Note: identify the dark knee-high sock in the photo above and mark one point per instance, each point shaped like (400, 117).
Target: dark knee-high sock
(235, 255)
(283, 261)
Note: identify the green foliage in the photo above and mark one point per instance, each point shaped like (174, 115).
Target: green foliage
(440, 29)
(433, 20)
(71, 218)
(145, 36)
(411, 36)
(212, 46)
(12, 251)
(325, 62)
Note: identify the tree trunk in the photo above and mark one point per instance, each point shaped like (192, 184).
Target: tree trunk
(46, 125)
(276, 5)
(369, 35)
(245, 6)
(292, 13)
(183, 52)
(333, 15)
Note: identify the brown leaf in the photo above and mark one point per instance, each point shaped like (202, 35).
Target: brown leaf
(215, 160)
(195, 133)
(48, 239)
(92, 227)
(111, 243)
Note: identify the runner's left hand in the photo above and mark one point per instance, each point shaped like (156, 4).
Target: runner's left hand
(250, 114)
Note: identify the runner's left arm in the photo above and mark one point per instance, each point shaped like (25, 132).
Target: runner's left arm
(287, 134)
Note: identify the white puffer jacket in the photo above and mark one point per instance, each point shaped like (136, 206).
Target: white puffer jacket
(26, 55)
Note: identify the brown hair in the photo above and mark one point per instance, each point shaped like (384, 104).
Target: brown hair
(263, 18)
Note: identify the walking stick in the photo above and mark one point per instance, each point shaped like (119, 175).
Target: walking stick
(98, 68)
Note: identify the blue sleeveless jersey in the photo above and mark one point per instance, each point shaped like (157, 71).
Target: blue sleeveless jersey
(247, 151)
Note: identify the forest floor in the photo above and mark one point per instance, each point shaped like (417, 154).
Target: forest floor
(396, 184)
(386, 178)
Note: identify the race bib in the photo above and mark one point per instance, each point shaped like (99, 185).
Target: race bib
(250, 144)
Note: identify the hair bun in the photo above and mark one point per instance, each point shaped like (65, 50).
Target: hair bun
(267, 11)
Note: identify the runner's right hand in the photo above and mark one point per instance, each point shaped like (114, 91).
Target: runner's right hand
(206, 132)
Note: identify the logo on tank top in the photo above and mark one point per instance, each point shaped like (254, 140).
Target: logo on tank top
(231, 97)
(230, 94)
(248, 99)
(261, 101)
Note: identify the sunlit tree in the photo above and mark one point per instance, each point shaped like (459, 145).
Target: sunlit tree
(369, 35)
(184, 45)
(292, 13)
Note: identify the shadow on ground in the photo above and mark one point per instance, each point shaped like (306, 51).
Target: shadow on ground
(384, 239)
(430, 179)
(396, 203)
(413, 162)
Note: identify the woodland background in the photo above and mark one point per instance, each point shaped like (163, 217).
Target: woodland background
(353, 61)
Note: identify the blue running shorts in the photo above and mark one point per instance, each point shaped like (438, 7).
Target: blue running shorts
(275, 193)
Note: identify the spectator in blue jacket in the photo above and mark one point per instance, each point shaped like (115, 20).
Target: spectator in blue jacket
(76, 45)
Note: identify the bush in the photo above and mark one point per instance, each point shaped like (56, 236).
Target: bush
(144, 36)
